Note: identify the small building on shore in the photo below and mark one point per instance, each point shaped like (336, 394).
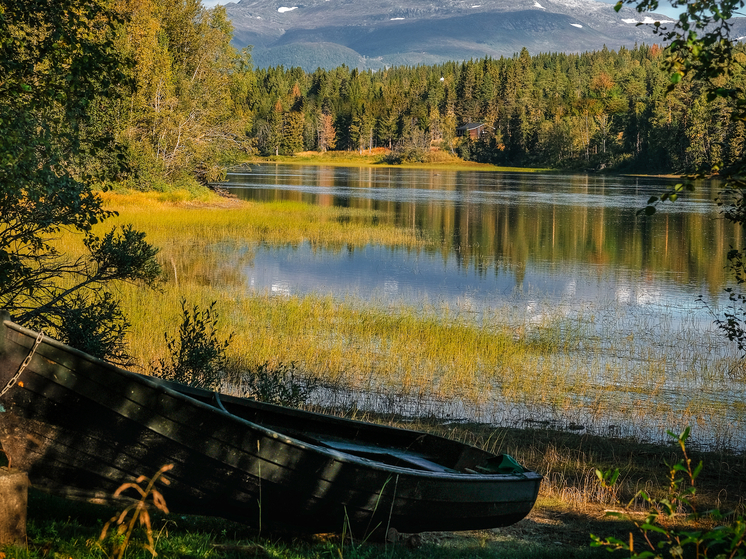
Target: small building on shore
(472, 129)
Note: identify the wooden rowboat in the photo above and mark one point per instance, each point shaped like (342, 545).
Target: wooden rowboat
(80, 427)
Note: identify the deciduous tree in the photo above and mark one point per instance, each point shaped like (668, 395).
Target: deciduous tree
(61, 76)
(702, 49)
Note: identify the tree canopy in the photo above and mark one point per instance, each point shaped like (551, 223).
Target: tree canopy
(61, 74)
(592, 110)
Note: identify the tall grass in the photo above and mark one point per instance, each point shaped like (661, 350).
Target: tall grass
(172, 220)
(598, 370)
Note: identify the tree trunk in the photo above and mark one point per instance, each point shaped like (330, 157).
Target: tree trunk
(13, 501)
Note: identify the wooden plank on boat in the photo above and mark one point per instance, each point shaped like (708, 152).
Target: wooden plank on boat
(373, 451)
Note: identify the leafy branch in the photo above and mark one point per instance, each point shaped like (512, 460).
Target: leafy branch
(726, 540)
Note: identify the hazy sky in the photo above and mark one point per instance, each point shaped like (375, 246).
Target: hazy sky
(665, 7)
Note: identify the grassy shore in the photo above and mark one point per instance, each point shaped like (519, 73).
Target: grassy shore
(433, 359)
(437, 160)
(428, 353)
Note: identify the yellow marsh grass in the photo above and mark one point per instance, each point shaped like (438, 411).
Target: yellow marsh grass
(439, 160)
(348, 343)
(345, 344)
(171, 219)
(499, 361)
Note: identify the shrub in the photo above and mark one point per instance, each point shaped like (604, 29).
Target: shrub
(726, 540)
(280, 385)
(198, 357)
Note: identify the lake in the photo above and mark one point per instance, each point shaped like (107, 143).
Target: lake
(541, 247)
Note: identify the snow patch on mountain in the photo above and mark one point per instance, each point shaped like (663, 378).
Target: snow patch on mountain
(577, 25)
(537, 5)
(284, 9)
(585, 5)
(650, 20)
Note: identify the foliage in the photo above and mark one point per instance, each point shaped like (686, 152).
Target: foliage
(702, 51)
(278, 384)
(198, 357)
(138, 512)
(726, 539)
(592, 110)
(412, 147)
(189, 105)
(61, 74)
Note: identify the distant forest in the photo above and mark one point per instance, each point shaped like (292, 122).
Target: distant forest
(593, 110)
(192, 104)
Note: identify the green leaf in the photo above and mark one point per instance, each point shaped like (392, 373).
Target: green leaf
(653, 528)
(675, 77)
(698, 469)
(685, 435)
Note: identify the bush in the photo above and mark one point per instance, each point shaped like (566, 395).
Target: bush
(413, 147)
(726, 539)
(280, 385)
(198, 357)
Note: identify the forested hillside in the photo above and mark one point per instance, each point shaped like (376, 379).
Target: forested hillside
(194, 104)
(591, 110)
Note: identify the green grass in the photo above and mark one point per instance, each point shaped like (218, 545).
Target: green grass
(439, 161)
(69, 530)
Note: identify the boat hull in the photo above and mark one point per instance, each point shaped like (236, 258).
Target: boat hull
(81, 427)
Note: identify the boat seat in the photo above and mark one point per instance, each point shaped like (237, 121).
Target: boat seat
(396, 457)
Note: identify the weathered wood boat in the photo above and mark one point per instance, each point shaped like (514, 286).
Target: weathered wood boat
(80, 427)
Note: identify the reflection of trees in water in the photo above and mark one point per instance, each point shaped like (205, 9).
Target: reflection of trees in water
(194, 262)
(492, 222)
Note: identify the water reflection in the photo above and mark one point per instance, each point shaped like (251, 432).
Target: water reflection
(571, 248)
(497, 233)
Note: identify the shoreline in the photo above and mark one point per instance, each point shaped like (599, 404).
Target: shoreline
(452, 163)
(353, 159)
(571, 506)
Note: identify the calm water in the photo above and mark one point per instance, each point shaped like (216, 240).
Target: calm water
(539, 244)
(503, 237)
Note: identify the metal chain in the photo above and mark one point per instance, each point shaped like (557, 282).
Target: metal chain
(25, 363)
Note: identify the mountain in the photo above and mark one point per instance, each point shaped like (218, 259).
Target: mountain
(380, 33)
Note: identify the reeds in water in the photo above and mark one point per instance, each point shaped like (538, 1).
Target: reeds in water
(597, 369)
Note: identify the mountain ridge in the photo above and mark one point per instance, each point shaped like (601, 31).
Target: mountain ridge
(382, 33)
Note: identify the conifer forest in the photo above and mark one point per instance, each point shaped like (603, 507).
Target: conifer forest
(193, 103)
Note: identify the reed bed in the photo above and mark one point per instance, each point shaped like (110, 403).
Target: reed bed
(174, 219)
(595, 370)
